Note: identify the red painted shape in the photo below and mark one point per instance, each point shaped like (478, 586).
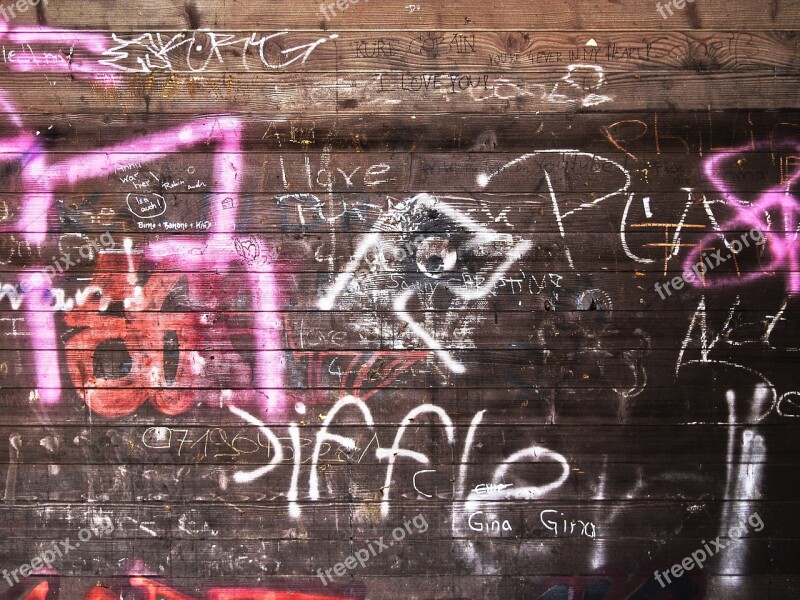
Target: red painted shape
(376, 370)
(39, 592)
(261, 594)
(100, 593)
(141, 326)
(157, 591)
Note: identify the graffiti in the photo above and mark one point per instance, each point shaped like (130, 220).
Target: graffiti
(493, 492)
(146, 588)
(322, 345)
(67, 62)
(707, 346)
(554, 521)
(477, 522)
(103, 162)
(576, 78)
(430, 257)
(363, 375)
(565, 163)
(744, 477)
(214, 442)
(690, 587)
(776, 213)
(111, 360)
(217, 252)
(201, 49)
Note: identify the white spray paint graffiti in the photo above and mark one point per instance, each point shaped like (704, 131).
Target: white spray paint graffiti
(433, 256)
(484, 494)
(149, 52)
(484, 180)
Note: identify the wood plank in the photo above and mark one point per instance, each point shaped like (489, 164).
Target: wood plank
(645, 135)
(208, 51)
(735, 15)
(565, 90)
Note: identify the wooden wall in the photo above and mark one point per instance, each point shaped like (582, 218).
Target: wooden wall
(277, 286)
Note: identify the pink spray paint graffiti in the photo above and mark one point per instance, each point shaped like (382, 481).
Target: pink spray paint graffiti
(25, 148)
(215, 252)
(93, 43)
(780, 233)
(41, 178)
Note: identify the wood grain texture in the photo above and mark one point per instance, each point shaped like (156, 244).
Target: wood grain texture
(425, 300)
(736, 15)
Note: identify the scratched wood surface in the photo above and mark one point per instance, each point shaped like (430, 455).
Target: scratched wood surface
(390, 299)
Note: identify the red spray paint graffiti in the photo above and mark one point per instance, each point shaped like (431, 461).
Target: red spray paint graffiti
(41, 178)
(143, 588)
(137, 331)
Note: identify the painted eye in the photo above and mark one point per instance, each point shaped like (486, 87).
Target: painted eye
(435, 256)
